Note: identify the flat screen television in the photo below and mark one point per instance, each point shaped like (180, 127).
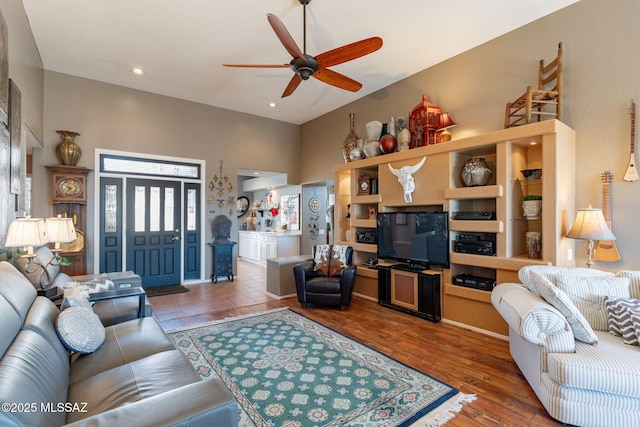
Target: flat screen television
(414, 237)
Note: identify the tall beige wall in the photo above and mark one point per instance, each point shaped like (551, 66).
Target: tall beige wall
(602, 68)
(25, 65)
(116, 118)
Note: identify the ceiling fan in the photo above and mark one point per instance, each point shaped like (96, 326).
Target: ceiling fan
(305, 66)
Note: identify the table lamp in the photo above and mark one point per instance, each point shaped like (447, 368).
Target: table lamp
(445, 123)
(60, 230)
(590, 226)
(27, 232)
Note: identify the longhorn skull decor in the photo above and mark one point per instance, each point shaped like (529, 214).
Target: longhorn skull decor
(405, 177)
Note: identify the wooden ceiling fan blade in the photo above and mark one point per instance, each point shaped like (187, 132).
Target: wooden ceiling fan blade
(337, 80)
(293, 85)
(285, 38)
(258, 65)
(348, 52)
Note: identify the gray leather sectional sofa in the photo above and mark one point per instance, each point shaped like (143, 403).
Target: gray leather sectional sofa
(135, 378)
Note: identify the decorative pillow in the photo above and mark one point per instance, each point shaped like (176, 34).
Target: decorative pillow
(75, 297)
(619, 318)
(634, 285)
(80, 330)
(557, 298)
(549, 272)
(635, 317)
(322, 259)
(338, 259)
(589, 293)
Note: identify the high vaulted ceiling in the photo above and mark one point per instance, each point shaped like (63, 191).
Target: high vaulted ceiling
(182, 44)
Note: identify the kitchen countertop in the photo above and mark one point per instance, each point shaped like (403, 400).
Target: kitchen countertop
(274, 233)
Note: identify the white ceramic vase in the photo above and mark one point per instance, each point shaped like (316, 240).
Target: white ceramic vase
(372, 149)
(374, 130)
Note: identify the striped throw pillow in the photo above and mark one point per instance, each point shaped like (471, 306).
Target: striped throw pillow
(556, 297)
(589, 293)
(620, 313)
(634, 286)
(549, 272)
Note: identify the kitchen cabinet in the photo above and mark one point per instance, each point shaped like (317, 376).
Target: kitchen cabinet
(259, 246)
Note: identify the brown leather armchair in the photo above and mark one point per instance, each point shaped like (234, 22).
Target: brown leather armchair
(315, 287)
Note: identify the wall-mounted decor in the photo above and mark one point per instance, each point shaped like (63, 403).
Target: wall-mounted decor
(242, 206)
(290, 205)
(405, 178)
(15, 129)
(219, 186)
(4, 71)
(314, 204)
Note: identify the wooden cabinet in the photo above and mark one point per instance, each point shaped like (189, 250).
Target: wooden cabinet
(548, 145)
(70, 201)
(222, 257)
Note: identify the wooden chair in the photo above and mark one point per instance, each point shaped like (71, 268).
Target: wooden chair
(533, 101)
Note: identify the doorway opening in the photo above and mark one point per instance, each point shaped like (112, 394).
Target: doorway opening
(149, 217)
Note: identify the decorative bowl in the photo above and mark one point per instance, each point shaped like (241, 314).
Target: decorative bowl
(531, 174)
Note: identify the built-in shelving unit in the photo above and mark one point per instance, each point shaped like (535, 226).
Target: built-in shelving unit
(548, 145)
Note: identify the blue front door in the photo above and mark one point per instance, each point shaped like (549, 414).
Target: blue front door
(153, 217)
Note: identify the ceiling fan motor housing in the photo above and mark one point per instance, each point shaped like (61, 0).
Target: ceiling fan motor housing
(304, 67)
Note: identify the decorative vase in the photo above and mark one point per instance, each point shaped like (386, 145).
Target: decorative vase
(391, 127)
(532, 209)
(67, 150)
(476, 172)
(533, 240)
(372, 149)
(374, 130)
(388, 143)
(350, 142)
(356, 154)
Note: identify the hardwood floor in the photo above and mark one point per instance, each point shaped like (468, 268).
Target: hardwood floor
(470, 361)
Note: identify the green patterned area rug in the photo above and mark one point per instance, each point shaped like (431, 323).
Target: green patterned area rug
(287, 370)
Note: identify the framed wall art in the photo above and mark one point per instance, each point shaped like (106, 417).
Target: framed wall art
(6, 199)
(4, 71)
(290, 206)
(15, 129)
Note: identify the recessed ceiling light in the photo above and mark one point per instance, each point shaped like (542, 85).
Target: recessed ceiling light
(138, 71)
(272, 104)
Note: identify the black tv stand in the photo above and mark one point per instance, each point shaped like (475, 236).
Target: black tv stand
(415, 268)
(411, 288)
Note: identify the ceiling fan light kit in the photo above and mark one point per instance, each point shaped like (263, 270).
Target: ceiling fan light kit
(305, 66)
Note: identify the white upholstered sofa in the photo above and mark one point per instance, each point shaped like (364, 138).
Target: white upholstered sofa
(583, 374)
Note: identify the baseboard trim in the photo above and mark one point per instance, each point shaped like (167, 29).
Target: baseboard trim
(279, 297)
(370, 298)
(473, 328)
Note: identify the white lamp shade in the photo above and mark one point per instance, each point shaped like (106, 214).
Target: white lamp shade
(27, 232)
(590, 225)
(61, 230)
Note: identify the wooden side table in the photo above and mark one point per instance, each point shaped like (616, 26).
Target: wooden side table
(222, 260)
